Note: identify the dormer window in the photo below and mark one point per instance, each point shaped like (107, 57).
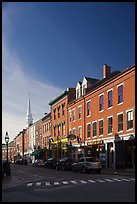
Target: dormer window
(84, 89)
(78, 93)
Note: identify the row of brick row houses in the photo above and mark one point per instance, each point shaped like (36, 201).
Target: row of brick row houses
(96, 118)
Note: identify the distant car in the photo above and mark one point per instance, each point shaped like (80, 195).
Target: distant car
(65, 164)
(86, 164)
(6, 168)
(51, 163)
(38, 163)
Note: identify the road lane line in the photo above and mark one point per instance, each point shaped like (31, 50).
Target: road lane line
(56, 183)
(117, 179)
(124, 179)
(99, 180)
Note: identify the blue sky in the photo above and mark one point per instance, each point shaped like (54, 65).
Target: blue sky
(49, 46)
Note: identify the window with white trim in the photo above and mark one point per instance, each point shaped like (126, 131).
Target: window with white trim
(120, 122)
(88, 130)
(79, 112)
(110, 121)
(129, 119)
(110, 99)
(94, 129)
(120, 94)
(88, 108)
(101, 103)
(101, 127)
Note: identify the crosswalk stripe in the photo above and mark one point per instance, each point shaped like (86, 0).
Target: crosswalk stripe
(100, 180)
(109, 180)
(117, 179)
(124, 179)
(47, 183)
(74, 182)
(82, 181)
(56, 183)
(64, 182)
(92, 181)
(29, 184)
(38, 184)
(132, 179)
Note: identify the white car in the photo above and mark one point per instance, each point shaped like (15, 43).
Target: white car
(85, 164)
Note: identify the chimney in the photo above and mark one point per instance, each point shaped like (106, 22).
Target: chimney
(106, 70)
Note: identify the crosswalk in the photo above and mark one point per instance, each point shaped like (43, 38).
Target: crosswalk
(58, 183)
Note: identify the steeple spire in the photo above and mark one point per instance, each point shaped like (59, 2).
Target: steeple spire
(29, 119)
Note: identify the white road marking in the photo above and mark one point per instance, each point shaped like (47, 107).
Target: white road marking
(99, 180)
(56, 183)
(117, 179)
(74, 182)
(109, 180)
(38, 184)
(64, 182)
(82, 181)
(132, 179)
(29, 184)
(92, 181)
(47, 183)
(124, 179)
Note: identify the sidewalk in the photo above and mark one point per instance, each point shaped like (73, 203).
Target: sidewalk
(123, 172)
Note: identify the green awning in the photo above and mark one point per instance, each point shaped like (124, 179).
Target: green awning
(35, 153)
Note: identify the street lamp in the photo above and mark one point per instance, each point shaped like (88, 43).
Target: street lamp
(7, 141)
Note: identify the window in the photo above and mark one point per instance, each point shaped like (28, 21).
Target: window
(109, 98)
(63, 109)
(88, 108)
(58, 130)
(94, 129)
(63, 128)
(74, 131)
(88, 130)
(129, 119)
(120, 122)
(79, 112)
(59, 112)
(70, 116)
(73, 115)
(54, 113)
(80, 132)
(54, 131)
(120, 94)
(110, 125)
(101, 127)
(101, 102)
(84, 89)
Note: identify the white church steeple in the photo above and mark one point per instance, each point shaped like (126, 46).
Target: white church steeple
(29, 119)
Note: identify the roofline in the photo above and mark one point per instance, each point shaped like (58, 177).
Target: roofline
(58, 98)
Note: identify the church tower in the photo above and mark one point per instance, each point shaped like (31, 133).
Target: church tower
(29, 119)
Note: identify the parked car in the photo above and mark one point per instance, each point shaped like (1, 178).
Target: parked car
(51, 163)
(65, 164)
(22, 161)
(6, 168)
(86, 164)
(38, 163)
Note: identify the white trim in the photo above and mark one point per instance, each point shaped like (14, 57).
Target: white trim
(120, 84)
(109, 90)
(110, 107)
(94, 121)
(79, 106)
(101, 119)
(120, 113)
(88, 101)
(101, 94)
(89, 123)
(101, 111)
(129, 110)
(80, 126)
(120, 103)
(111, 116)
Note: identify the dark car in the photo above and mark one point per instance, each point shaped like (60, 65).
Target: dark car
(6, 168)
(22, 161)
(65, 164)
(51, 163)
